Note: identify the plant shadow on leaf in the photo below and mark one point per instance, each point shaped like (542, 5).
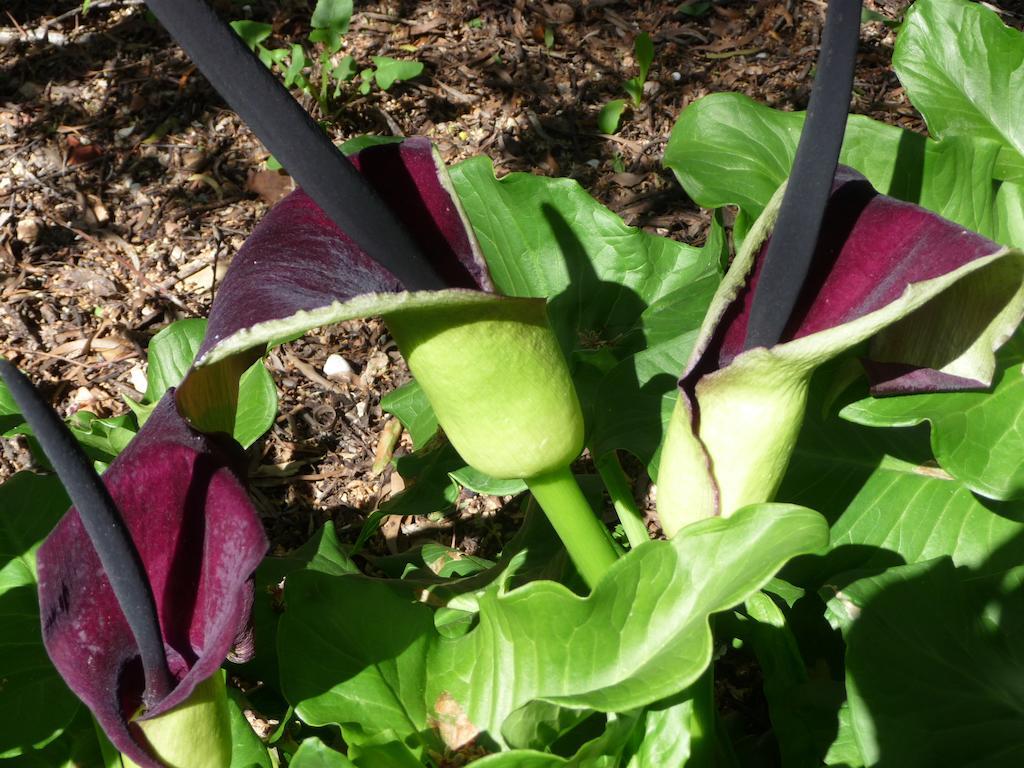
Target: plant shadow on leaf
(934, 669)
(598, 324)
(908, 167)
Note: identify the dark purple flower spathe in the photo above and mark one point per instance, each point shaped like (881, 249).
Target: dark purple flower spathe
(199, 540)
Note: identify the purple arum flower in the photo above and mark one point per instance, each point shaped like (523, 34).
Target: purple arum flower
(489, 364)
(936, 301)
(199, 541)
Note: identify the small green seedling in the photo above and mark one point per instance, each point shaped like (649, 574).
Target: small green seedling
(643, 48)
(611, 114)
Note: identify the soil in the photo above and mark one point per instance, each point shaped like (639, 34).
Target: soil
(128, 186)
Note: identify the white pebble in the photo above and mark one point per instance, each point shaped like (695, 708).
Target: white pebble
(336, 366)
(137, 377)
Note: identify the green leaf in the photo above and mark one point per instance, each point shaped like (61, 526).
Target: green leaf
(433, 489)
(803, 711)
(410, 405)
(727, 149)
(962, 69)
(933, 665)
(367, 672)
(322, 553)
(257, 404)
(36, 705)
(171, 353)
(644, 49)
(10, 416)
(344, 71)
(247, 751)
(694, 8)
(296, 63)
(313, 753)
(978, 437)
(389, 71)
(610, 115)
(365, 79)
(359, 143)
(334, 15)
(844, 752)
(641, 636)
(107, 436)
(478, 482)
(385, 751)
(666, 734)
(889, 504)
(252, 32)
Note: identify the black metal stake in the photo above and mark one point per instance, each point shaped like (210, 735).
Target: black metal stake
(795, 236)
(291, 135)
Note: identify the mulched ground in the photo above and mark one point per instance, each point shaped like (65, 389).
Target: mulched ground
(127, 186)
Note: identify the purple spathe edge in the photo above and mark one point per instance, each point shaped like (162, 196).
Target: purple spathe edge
(298, 260)
(871, 249)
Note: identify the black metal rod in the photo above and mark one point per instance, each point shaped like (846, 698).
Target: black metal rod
(298, 143)
(795, 236)
(103, 524)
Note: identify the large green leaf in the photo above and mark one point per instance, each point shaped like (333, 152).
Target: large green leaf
(727, 149)
(978, 437)
(640, 637)
(353, 651)
(321, 553)
(888, 502)
(35, 704)
(934, 666)
(963, 70)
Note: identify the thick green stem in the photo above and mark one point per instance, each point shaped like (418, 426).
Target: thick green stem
(617, 484)
(589, 544)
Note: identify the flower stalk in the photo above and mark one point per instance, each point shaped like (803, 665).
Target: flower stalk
(587, 540)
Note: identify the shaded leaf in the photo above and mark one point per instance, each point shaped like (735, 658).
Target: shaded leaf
(933, 666)
(35, 705)
(888, 503)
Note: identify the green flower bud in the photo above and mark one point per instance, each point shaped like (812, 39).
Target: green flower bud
(498, 383)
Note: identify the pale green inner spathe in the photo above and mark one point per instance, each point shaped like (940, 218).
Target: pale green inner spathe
(196, 733)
